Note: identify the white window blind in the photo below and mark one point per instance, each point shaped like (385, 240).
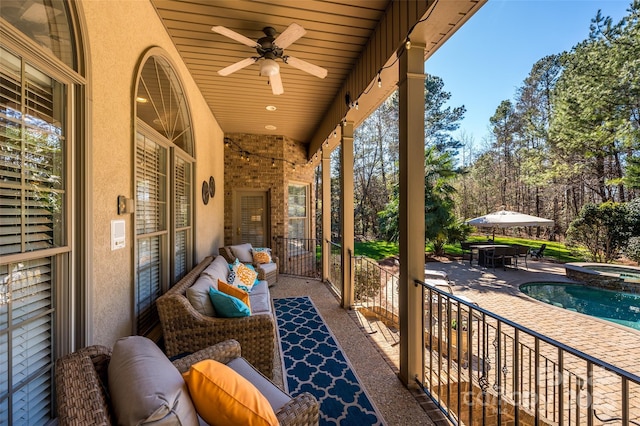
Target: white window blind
(298, 218)
(253, 219)
(182, 218)
(32, 211)
(164, 197)
(151, 227)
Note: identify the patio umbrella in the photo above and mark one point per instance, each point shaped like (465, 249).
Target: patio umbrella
(508, 219)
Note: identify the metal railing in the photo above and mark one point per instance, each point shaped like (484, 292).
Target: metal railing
(298, 256)
(335, 267)
(481, 368)
(376, 289)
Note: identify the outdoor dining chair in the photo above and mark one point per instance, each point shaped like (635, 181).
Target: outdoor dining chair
(499, 255)
(467, 249)
(521, 251)
(538, 253)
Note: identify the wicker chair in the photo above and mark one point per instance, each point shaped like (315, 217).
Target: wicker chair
(83, 395)
(185, 330)
(268, 274)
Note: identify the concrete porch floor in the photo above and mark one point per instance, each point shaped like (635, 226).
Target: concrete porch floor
(377, 373)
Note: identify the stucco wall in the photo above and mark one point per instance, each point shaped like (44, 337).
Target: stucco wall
(118, 34)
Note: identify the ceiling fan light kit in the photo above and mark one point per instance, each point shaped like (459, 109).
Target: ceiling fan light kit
(269, 67)
(270, 48)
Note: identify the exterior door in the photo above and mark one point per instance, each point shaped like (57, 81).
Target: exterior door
(251, 218)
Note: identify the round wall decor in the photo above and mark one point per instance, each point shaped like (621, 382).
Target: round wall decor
(205, 192)
(212, 187)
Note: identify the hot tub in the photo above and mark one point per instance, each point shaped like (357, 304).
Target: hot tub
(605, 275)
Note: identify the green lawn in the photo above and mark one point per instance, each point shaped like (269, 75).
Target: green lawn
(376, 250)
(379, 250)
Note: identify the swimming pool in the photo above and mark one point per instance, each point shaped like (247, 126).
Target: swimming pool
(616, 306)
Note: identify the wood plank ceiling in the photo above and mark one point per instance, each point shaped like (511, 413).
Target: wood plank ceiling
(337, 34)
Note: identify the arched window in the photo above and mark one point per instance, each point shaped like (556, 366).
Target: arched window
(163, 187)
(47, 23)
(40, 99)
(161, 104)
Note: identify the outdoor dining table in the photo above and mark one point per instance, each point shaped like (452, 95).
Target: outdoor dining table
(483, 248)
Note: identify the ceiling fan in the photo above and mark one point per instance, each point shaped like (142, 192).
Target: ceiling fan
(269, 49)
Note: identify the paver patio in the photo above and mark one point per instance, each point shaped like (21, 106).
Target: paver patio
(498, 291)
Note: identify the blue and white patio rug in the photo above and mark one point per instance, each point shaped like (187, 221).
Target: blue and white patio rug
(314, 362)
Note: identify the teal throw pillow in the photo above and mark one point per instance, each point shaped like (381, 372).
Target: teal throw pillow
(228, 306)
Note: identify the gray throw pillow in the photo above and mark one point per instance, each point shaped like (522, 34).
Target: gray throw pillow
(198, 295)
(146, 388)
(242, 252)
(218, 269)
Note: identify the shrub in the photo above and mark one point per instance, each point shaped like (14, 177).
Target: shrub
(603, 229)
(367, 281)
(633, 249)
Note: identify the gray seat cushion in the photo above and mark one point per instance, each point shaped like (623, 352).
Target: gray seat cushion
(260, 298)
(276, 397)
(145, 386)
(268, 267)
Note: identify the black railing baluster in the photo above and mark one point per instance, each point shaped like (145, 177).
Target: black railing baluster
(559, 386)
(550, 382)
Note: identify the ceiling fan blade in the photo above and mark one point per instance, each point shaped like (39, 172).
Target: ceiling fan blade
(288, 36)
(234, 35)
(306, 66)
(237, 66)
(276, 84)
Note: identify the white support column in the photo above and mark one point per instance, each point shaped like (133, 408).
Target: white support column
(346, 212)
(326, 213)
(411, 212)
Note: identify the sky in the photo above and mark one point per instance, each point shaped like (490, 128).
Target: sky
(487, 59)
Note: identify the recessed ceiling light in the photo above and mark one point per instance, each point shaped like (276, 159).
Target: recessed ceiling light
(142, 100)
(270, 127)
(271, 108)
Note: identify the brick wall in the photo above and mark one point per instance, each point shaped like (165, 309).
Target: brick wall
(260, 174)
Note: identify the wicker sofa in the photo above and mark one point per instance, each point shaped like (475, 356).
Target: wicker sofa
(84, 398)
(242, 252)
(186, 330)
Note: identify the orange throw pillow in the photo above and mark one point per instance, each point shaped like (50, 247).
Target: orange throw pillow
(234, 291)
(223, 397)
